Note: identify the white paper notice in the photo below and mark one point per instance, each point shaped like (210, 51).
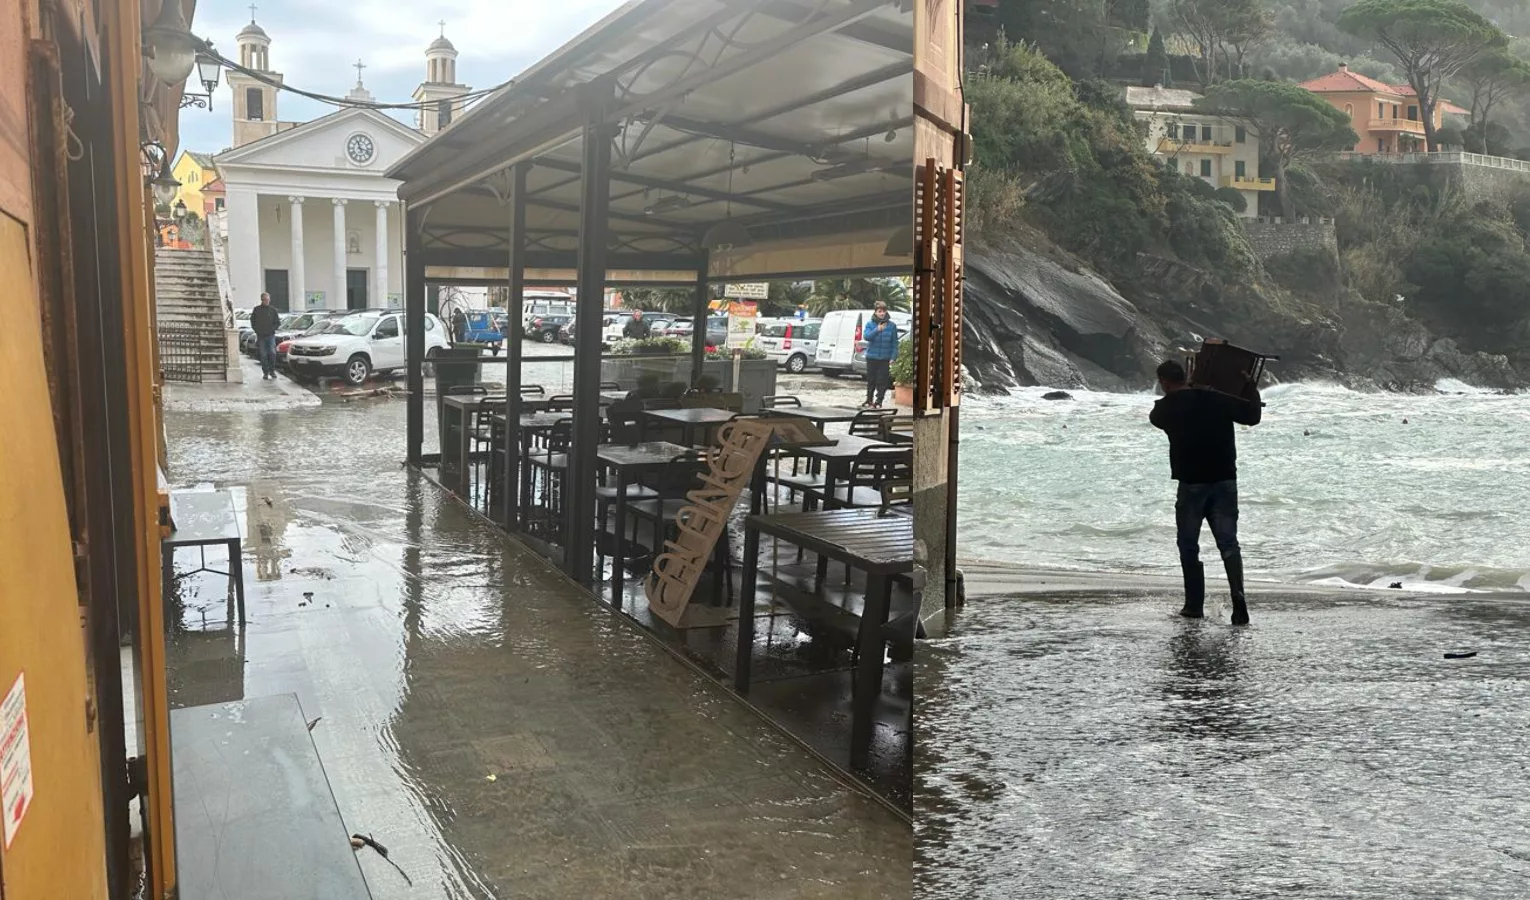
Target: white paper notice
(15, 759)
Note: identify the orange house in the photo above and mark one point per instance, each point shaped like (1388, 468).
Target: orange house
(1385, 116)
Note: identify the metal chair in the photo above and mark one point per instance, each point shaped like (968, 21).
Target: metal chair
(777, 401)
(872, 468)
(868, 422)
(560, 403)
(551, 462)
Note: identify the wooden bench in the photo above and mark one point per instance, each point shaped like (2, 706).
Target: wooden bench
(254, 814)
(201, 519)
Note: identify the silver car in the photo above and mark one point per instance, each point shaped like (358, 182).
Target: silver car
(792, 343)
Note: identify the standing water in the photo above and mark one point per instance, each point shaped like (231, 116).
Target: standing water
(1336, 487)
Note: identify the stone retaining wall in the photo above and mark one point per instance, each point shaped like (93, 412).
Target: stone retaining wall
(1272, 238)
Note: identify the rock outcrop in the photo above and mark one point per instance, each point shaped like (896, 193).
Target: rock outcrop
(1037, 315)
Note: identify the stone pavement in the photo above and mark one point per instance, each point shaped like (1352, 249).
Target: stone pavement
(254, 395)
(500, 732)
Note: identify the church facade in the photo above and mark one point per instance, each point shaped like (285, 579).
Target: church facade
(311, 220)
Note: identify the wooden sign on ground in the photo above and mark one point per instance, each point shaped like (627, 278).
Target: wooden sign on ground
(730, 466)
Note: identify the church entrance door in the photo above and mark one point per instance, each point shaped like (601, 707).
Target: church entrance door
(356, 281)
(276, 286)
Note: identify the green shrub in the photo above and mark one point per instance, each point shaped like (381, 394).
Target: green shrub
(651, 346)
(902, 367)
(1232, 197)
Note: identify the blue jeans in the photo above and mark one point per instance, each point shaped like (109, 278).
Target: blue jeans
(1215, 503)
(267, 346)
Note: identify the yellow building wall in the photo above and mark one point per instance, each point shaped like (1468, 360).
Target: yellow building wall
(192, 177)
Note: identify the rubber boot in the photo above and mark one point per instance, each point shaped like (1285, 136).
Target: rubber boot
(1195, 590)
(1235, 585)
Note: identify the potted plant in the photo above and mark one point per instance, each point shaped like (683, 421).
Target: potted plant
(902, 372)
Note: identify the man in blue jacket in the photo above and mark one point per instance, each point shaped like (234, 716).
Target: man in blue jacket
(881, 337)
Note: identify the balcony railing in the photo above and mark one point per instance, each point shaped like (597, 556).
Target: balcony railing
(1412, 126)
(1248, 183)
(1443, 157)
(1175, 145)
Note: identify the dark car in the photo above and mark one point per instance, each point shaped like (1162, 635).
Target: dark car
(566, 333)
(545, 327)
(250, 347)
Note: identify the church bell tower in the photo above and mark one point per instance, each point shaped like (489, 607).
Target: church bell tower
(439, 92)
(254, 98)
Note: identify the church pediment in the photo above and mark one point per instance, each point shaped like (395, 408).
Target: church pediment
(357, 141)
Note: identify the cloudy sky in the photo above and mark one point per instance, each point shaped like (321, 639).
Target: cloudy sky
(315, 43)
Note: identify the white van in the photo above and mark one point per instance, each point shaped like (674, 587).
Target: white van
(839, 338)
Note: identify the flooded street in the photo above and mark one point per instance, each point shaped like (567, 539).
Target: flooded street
(1087, 745)
(500, 732)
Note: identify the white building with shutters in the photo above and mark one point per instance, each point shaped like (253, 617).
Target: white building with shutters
(311, 219)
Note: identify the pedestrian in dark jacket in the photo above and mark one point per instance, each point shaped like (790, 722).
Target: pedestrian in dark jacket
(1203, 458)
(264, 320)
(636, 328)
(881, 337)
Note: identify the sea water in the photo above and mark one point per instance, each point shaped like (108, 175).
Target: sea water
(1337, 487)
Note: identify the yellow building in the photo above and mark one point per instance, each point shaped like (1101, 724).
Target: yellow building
(194, 171)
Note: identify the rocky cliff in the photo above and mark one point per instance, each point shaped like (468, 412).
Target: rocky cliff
(1037, 315)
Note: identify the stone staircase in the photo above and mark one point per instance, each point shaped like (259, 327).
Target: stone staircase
(194, 327)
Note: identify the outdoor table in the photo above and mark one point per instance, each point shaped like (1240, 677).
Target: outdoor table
(880, 546)
(691, 419)
(837, 460)
(818, 415)
(204, 518)
(531, 425)
(460, 419)
(629, 461)
(609, 397)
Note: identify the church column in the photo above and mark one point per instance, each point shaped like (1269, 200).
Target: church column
(339, 300)
(380, 268)
(297, 297)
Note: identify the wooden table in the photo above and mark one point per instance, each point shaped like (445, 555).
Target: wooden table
(459, 416)
(818, 415)
(880, 546)
(627, 461)
(837, 459)
(690, 419)
(203, 519)
(254, 814)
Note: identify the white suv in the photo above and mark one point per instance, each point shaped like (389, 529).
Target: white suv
(355, 347)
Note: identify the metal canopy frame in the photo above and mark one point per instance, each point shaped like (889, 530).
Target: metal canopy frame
(610, 160)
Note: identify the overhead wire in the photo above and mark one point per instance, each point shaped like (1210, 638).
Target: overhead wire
(345, 102)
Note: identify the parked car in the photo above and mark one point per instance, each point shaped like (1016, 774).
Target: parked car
(792, 343)
(545, 327)
(359, 345)
(566, 333)
(670, 326)
(305, 324)
(611, 326)
(247, 343)
(839, 340)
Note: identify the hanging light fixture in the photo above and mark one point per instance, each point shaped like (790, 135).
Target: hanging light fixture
(164, 184)
(170, 45)
(209, 68)
(727, 234)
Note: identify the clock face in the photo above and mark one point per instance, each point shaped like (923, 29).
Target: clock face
(359, 148)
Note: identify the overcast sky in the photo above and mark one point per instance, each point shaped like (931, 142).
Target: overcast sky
(315, 43)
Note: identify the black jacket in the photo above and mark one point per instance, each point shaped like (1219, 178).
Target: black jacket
(264, 319)
(637, 328)
(1199, 423)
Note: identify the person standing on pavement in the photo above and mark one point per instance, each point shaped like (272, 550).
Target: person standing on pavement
(1203, 457)
(636, 329)
(264, 320)
(881, 337)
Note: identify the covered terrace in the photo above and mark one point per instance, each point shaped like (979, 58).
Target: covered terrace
(691, 144)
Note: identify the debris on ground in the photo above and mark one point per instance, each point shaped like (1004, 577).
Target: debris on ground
(366, 840)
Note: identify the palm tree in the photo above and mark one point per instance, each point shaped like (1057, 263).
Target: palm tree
(857, 293)
(672, 300)
(785, 297)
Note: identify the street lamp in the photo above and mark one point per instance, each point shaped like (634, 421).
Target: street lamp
(170, 45)
(164, 185)
(179, 210)
(208, 70)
